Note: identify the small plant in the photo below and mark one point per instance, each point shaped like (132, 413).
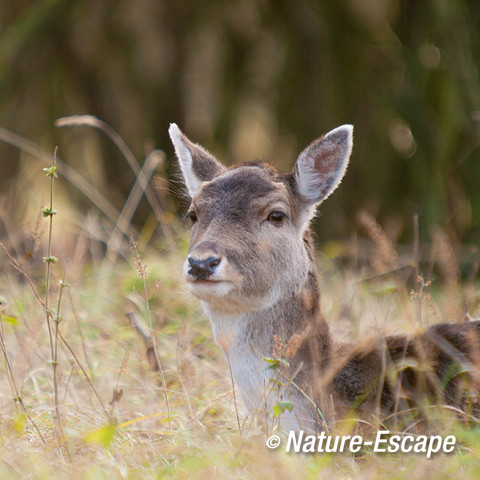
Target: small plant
(53, 315)
(49, 212)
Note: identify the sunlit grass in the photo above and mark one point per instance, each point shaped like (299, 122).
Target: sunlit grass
(103, 412)
(138, 439)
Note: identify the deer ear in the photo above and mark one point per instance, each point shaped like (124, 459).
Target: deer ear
(321, 166)
(196, 163)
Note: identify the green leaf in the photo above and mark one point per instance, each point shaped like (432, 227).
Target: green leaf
(280, 407)
(51, 259)
(19, 422)
(9, 320)
(271, 361)
(285, 406)
(51, 171)
(275, 362)
(103, 436)
(49, 212)
(386, 289)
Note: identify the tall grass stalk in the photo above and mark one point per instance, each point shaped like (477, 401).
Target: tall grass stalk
(14, 264)
(85, 374)
(49, 212)
(143, 275)
(94, 122)
(75, 179)
(130, 206)
(19, 268)
(17, 397)
(234, 394)
(55, 362)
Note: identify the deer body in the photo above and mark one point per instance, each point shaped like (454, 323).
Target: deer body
(251, 264)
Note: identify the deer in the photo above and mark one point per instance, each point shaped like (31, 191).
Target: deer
(251, 264)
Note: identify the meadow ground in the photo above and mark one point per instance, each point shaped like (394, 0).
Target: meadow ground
(83, 401)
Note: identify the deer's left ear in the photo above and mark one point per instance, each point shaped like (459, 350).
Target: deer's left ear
(321, 166)
(196, 163)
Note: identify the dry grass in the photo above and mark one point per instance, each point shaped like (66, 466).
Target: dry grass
(136, 438)
(102, 411)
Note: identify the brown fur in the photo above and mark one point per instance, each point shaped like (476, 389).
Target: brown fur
(251, 263)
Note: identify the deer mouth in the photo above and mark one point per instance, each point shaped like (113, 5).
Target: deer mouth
(209, 289)
(204, 281)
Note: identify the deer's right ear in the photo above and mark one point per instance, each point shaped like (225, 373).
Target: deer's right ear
(321, 166)
(197, 164)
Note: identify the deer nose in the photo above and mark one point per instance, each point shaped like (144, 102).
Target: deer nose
(202, 269)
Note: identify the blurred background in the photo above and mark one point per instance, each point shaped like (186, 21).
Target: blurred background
(250, 79)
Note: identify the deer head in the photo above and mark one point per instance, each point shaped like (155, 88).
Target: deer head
(249, 221)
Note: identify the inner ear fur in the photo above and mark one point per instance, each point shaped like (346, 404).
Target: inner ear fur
(322, 165)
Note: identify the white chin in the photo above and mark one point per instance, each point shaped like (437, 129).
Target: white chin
(207, 291)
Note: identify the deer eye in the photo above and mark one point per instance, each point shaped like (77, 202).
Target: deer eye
(192, 216)
(277, 218)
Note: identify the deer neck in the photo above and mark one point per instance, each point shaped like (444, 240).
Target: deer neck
(254, 330)
(248, 338)
(258, 331)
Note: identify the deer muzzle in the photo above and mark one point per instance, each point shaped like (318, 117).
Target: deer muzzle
(202, 269)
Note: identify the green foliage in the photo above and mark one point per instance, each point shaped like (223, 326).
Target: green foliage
(281, 407)
(51, 172)
(103, 436)
(49, 212)
(275, 362)
(8, 319)
(50, 259)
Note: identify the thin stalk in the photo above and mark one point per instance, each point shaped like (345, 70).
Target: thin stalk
(155, 349)
(416, 261)
(19, 269)
(94, 122)
(49, 259)
(49, 212)
(117, 394)
(13, 385)
(77, 180)
(143, 274)
(55, 352)
(134, 197)
(80, 332)
(234, 394)
(85, 374)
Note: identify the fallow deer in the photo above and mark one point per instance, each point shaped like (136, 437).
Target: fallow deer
(251, 264)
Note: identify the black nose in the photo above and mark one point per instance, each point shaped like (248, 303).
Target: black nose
(202, 269)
